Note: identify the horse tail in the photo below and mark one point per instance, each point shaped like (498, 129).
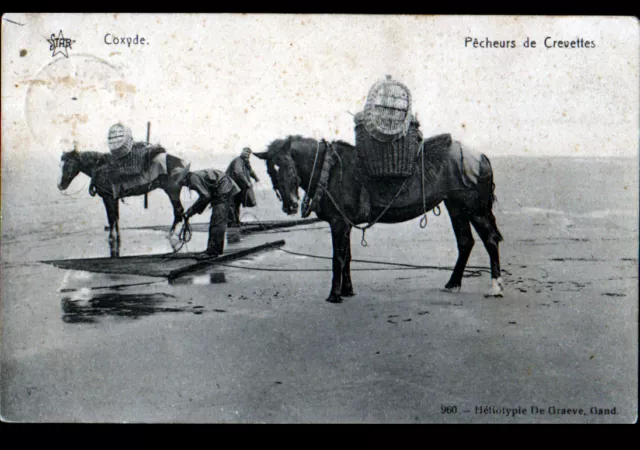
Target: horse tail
(487, 191)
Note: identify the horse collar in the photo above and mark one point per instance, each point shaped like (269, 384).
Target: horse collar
(312, 203)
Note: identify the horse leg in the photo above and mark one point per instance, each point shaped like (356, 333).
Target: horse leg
(462, 229)
(117, 228)
(178, 210)
(110, 207)
(490, 236)
(347, 287)
(339, 237)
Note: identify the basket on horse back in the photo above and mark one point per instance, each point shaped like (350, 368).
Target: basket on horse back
(120, 140)
(387, 112)
(387, 134)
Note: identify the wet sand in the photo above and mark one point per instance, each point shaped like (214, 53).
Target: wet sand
(254, 341)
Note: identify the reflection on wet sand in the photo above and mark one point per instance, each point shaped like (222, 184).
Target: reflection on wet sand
(131, 306)
(210, 278)
(84, 305)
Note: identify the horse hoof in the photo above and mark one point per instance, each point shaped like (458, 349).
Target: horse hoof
(496, 289)
(334, 299)
(453, 289)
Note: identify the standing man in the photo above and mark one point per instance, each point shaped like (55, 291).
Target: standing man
(241, 172)
(214, 188)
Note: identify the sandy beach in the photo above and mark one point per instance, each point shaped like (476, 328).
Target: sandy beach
(254, 340)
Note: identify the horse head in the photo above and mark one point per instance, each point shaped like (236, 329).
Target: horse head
(283, 173)
(69, 168)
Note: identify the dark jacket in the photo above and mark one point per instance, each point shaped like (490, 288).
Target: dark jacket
(241, 172)
(213, 186)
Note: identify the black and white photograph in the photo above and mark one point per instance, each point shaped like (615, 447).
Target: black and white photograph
(319, 218)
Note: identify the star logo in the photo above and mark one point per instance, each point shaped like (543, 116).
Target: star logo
(59, 44)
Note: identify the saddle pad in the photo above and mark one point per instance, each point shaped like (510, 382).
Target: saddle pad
(468, 165)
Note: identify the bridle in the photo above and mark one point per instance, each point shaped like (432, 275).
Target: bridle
(290, 173)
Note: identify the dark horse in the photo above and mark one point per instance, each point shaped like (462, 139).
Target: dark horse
(93, 164)
(291, 162)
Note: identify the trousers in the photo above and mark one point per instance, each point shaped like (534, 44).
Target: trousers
(218, 226)
(234, 211)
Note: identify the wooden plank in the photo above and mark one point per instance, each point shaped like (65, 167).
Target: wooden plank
(161, 265)
(249, 227)
(224, 258)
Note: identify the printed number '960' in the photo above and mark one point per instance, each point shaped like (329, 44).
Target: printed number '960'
(448, 409)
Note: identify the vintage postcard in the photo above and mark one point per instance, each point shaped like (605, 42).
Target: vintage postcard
(296, 218)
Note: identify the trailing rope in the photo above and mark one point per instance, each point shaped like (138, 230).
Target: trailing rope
(471, 271)
(184, 236)
(363, 242)
(73, 194)
(282, 269)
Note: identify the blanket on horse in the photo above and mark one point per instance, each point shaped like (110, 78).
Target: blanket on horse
(137, 160)
(140, 167)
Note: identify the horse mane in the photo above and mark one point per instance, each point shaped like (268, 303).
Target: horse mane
(344, 144)
(280, 144)
(92, 158)
(283, 145)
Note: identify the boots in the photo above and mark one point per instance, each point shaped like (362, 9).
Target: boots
(233, 235)
(205, 255)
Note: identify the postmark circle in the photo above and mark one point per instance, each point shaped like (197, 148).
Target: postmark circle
(72, 102)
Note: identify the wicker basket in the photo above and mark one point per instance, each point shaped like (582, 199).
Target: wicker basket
(120, 140)
(387, 159)
(387, 111)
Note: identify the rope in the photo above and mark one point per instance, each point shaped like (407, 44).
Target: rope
(279, 269)
(306, 202)
(184, 235)
(363, 242)
(472, 271)
(73, 193)
(424, 220)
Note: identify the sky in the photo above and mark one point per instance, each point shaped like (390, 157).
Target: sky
(213, 84)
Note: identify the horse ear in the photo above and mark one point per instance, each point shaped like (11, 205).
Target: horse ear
(262, 155)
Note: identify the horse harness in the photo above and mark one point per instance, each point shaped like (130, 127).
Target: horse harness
(311, 203)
